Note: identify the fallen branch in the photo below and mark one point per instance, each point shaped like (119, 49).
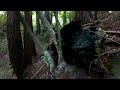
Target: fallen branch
(111, 52)
(98, 59)
(37, 71)
(112, 32)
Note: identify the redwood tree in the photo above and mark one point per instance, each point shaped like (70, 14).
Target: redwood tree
(29, 46)
(82, 16)
(15, 46)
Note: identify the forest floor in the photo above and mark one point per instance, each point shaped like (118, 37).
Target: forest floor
(5, 67)
(39, 69)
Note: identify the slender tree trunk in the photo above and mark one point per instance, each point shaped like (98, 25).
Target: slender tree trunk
(64, 18)
(38, 29)
(27, 42)
(51, 15)
(33, 44)
(47, 15)
(15, 43)
(29, 46)
(58, 28)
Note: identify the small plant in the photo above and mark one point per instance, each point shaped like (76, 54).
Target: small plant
(46, 59)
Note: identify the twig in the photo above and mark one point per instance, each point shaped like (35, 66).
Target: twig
(37, 71)
(112, 32)
(90, 67)
(108, 52)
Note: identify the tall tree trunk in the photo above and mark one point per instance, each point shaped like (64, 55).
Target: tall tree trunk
(82, 16)
(58, 28)
(47, 15)
(29, 46)
(64, 18)
(15, 43)
(38, 29)
(33, 44)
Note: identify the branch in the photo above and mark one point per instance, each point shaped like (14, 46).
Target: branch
(48, 27)
(37, 72)
(110, 52)
(112, 32)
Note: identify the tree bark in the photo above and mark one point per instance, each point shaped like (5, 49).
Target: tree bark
(82, 16)
(15, 46)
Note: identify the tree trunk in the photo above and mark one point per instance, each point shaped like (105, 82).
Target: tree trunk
(82, 16)
(29, 46)
(15, 44)
(47, 15)
(96, 15)
(58, 28)
(64, 18)
(51, 15)
(38, 29)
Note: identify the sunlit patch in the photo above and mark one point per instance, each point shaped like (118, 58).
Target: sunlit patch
(1, 12)
(110, 11)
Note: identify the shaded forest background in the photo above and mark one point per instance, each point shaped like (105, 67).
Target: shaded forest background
(36, 61)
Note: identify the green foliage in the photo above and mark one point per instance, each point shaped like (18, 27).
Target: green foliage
(69, 16)
(3, 19)
(46, 59)
(98, 49)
